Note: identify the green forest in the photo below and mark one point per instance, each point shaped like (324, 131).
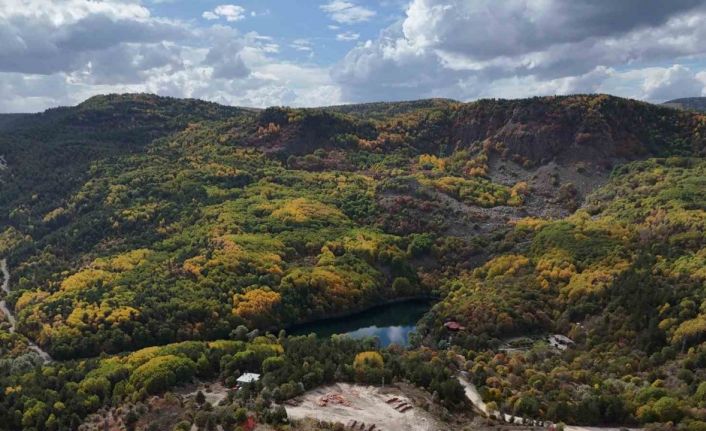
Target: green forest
(153, 242)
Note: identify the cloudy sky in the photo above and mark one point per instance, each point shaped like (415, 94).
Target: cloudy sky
(323, 52)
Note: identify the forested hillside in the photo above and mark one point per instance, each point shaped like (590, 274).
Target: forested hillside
(623, 277)
(132, 221)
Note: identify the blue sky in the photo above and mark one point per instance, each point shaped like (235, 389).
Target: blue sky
(287, 21)
(323, 52)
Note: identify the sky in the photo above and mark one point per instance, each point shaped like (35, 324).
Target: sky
(323, 52)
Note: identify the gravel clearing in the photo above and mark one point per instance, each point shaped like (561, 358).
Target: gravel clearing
(366, 405)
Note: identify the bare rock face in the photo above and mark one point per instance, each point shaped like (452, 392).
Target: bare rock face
(598, 131)
(561, 147)
(595, 129)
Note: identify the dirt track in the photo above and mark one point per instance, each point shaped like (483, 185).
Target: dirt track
(10, 316)
(475, 398)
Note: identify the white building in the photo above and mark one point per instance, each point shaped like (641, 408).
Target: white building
(560, 342)
(248, 378)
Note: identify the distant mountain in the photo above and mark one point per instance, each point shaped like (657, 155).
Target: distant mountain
(691, 103)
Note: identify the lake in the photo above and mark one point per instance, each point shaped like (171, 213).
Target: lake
(391, 323)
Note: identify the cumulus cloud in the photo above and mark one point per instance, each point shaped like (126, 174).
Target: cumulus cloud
(45, 37)
(226, 61)
(486, 29)
(31, 93)
(130, 64)
(59, 52)
(345, 12)
(230, 12)
(672, 83)
(458, 48)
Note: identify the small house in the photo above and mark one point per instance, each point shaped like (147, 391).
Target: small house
(247, 378)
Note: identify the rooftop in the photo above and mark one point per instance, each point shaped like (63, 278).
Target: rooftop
(248, 377)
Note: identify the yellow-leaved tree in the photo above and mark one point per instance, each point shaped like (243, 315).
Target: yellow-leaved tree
(369, 366)
(257, 306)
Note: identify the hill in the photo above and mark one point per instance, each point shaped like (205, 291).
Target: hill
(689, 103)
(132, 221)
(49, 154)
(258, 201)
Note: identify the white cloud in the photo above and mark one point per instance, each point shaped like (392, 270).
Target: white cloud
(45, 37)
(348, 36)
(663, 84)
(30, 93)
(301, 45)
(65, 11)
(263, 13)
(457, 48)
(58, 52)
(79, 48)
(230, 12)
(345, 12)
(226, 61)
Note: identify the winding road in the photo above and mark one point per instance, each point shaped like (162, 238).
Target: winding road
(11, 316)
(475, 398)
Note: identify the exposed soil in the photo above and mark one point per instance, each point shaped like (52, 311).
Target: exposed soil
(388, 409)
(214, 392)
(6, 289)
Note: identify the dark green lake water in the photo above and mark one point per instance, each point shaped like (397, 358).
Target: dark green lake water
(391, 324)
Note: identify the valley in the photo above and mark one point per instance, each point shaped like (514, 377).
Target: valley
(152, 243)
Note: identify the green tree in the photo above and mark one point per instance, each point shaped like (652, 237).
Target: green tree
(526, 405)
(668, 409)
(241, 415)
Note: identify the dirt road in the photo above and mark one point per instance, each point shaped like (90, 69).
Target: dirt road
(10, 315)
(474, 397)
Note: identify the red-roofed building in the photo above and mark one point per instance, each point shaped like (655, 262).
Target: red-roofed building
(454, 326)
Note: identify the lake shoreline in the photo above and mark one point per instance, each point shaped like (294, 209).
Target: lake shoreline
(411, 299)
(390, 321)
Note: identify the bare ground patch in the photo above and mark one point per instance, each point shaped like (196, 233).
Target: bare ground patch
(387, 409)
